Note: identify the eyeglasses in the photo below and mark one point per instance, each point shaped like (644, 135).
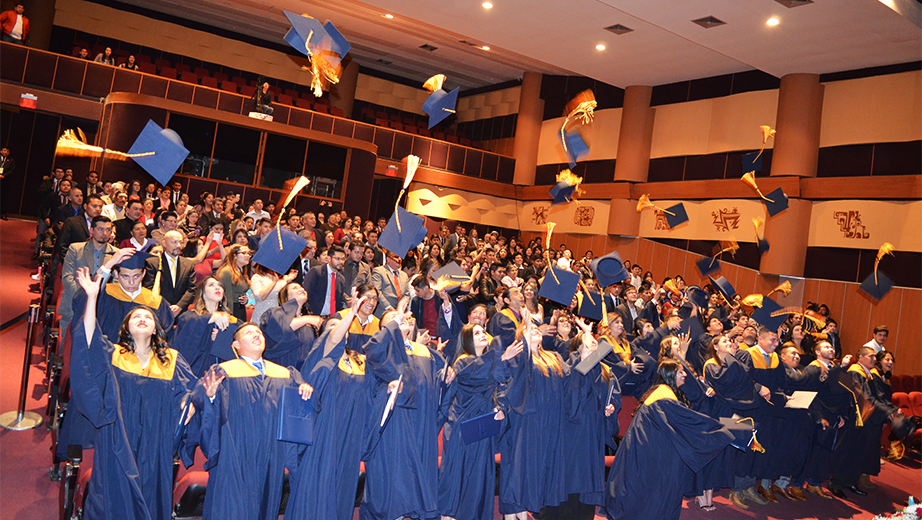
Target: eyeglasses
(247, 253)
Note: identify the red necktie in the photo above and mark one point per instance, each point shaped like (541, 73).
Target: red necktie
(397, 284)
(332, 292)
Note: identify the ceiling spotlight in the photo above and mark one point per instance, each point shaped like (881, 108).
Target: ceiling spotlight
(772, 21)
(600, 47)
(389, 16)
(487, 5)
(485, 48)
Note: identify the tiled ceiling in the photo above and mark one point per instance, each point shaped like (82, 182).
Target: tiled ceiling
(555, 37)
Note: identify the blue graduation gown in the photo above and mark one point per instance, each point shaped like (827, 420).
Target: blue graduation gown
(503, 325)
(401, 462)
(665, 443)
(246, 463)
(738, 394)
(531, 473)
(467, 474)
(587, 430)
(192, 337)
(136, 411)
(323, 484)
(284, 346)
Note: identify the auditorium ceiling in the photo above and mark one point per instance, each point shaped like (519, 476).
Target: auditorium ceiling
(560, 37)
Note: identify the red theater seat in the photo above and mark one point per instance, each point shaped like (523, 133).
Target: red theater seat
(247, 90)
(229, 86)
(188, 77)
(168, 72)
(182, 67)
(285, 99)
(220, 76)
(208, 81)
(201, 72)
(160, 62)
(148, 67)
(336, 111)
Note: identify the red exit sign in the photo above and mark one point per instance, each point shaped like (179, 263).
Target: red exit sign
(28, 101)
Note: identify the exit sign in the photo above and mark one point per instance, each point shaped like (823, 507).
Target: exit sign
(28, 101)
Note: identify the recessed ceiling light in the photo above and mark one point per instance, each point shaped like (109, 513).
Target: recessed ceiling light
(389, 16)
(709, 21)
(772, 21)
(487, 5)
(486, 48)
(600, 47)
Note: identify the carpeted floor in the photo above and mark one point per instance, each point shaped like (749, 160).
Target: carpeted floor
(26, 493)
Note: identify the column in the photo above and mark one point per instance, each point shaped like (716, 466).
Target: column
(41, 18)
(633, 161)
(342, 94)
(787, 234)
(797, 137)
(528, 129)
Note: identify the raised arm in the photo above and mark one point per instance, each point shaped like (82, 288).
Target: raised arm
(342, 328)
(91, 287)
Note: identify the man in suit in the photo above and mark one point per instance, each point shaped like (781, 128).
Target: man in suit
(93, 254)
(305, 261)
(71, 208)
(7, 167)
(177, 192)
(391, 282)
(77, 228)
(123, 226)
(355, 271)
(647, 304)
(628, 310)
(428, 306)
(177, 278)
(372, 241)
(326, 286)
(92, 184)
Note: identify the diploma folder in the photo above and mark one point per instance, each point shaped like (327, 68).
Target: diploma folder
(800, 400)
(180, 431)
(593, 358)
(296, 417)
(480, 427)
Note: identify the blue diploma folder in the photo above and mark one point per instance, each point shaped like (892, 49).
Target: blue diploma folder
(296, 417)
(479, 428)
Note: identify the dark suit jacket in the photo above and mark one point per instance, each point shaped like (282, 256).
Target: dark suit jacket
(73, 231)
(298, 266)
(626, 317)
(122, 228)
(180, 292)
(315, 283)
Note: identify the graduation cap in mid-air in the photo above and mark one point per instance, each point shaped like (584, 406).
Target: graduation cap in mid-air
(675, 215)
(590, 305)
(400, 237)
(752, 162)
(169, 152)
(775, 202)
(708, 265)
(763, 244)
(877, 284)
(440, 104)
(609, 269)
(279, 250)
(450, 277)
(566, 188)
(763, 315)
(559, 286)
(723, 286)
(311, 38)
(593, 358)
(575, 148)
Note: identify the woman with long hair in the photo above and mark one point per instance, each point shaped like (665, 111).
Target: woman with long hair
(235, 275)
(147, 214)
(530, 292)
(190, 224)
(364, 324)
(323, 483)
(134, 190)
(592, 403)
(134, 394)
(631, 364)
(289, 332)
(666, 437)
(266, 285)
(197, 330)
(467, 474)
(531, 475)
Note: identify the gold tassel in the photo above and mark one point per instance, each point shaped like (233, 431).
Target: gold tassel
(859, 421)
(784, 289)
(412, 165)
(729, 246)
(886, 249)
(757, 223)
(586, 291)
(753, 300)
(644, 203)
(754, 445)
(767, 132)
(750, 180)
(300, 185)
(547, 247)
(581, 108)
(434, 83)
(72, 145)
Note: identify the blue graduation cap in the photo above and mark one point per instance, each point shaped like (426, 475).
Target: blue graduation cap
(692, 326)
(440, 104)
(763, 246)
(708, 265)
(780, 202)
(480, 427)
(590, 306)
(279, 257)
(575, 148)
(223, 345)
(763, 315)
(324, 40)
(168, 152)
(678, 216)
(609, 269)
(136, 261)
(724, 288)
(876, 290)
(559, 285)
(698, 296)
(744, 433)
(451, 276)
(412, 232)
(752, 162)
(561, 193)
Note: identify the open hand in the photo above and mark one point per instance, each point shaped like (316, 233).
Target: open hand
(211, 381)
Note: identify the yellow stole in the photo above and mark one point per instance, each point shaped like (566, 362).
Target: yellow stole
(146, 297)
(758, 360)
(511, 315)
(661, 392)
(356, 327)
(347, 365)
(130, 363)
(240, 368)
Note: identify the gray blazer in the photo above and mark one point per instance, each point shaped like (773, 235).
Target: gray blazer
(78, 255)
(383, 281)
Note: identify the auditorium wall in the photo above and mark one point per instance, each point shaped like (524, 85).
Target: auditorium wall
(855, 313)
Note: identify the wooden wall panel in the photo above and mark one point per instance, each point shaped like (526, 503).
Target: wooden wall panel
(676, 263)
(746, 280)
(905, 343)
(833, 295)
(855, 320)
(657, 264)
(887, 312)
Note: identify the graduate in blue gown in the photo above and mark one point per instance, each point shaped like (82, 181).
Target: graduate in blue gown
(504, 323)
(467, 474)
(239, 400)
(364, 323)
(401, 462)
(289, 333)
(593, 401)
(630, 363)
(197, 330)
(531, 473)
(665, 444)
(133, 393)
(324, 482)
